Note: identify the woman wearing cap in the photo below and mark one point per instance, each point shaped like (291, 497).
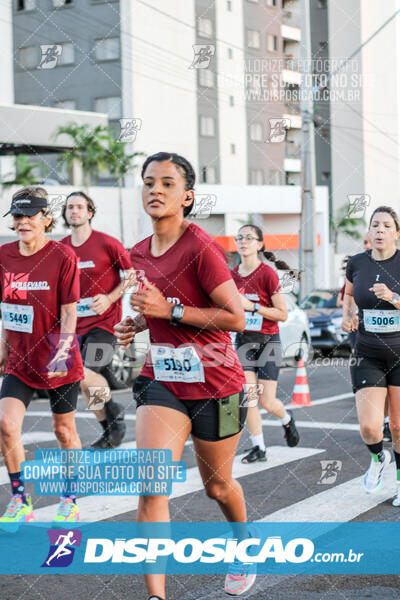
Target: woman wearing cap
(39, 283)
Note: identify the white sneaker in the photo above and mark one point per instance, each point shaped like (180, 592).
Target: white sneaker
(396, 500)
(241, 576)
(373, 478)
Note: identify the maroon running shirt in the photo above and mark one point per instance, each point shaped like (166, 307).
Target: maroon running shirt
(259, 287)
(187, 273)
(100, 260)
(33, 288)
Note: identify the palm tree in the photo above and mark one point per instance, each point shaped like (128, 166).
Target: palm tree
(344, 224)
(89, 149)
(119, 164)
(24, 172)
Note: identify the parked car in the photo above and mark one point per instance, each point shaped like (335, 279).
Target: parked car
(295, 337)
(325, 320)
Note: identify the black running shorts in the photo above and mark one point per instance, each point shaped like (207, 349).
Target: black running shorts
(62, 399)
(260, 353)
(375, 367)
(97, 348)
(202, 413)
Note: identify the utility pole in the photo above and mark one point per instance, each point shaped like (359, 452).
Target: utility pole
(307, 246)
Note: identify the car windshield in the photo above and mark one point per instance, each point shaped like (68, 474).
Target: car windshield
(320, 299)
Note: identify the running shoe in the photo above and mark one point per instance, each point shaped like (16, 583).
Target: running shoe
(102, 443)
(396, 500)
(373, 478)
(68, 511)
(17, 512)
(155, 598)
(291, 434)
(254, 455)
(241, 576)
(387, 434)
(115, 414)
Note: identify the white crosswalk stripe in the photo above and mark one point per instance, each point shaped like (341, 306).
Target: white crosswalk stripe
(342, 502)
(96, 508)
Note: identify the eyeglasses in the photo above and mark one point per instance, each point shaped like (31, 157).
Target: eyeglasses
(248, 238)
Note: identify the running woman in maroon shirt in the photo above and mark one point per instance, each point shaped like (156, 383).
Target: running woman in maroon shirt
(100, 260)
(189, 303)
(259, 346)
(39, 284)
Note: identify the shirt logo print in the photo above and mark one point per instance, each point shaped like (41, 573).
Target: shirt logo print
(13, 292)
(377, 278)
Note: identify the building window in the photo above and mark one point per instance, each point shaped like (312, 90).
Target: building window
(253, 38)
(271, 2)
(60, 3)
(256, 177)
(25, 5)
(233, 149)
(253, 1)
(208, 175)
(67, 56)
(272, 43)
(231, 101)
(107, 49)
(230, 53)
(229, 5)
(256, 132)
(66, 104)
(206, 78)
(111, 106)
(29, 57)
(207, 126)
(205, 27)
(322, 3)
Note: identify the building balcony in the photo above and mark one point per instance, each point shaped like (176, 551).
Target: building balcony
(292, 160)
(290, 32)
(291, 77)
(295, 120)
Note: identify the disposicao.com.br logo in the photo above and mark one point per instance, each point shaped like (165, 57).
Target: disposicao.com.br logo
(202, 548)
(62, 547)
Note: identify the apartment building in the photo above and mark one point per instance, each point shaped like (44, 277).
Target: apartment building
(110, 61)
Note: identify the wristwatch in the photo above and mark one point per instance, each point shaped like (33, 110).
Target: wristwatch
(396, 298)
(177, 313)
(256, 308)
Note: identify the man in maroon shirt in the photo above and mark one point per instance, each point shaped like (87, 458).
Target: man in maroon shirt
(100, 260)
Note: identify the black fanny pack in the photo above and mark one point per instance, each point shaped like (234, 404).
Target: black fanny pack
(252, 337)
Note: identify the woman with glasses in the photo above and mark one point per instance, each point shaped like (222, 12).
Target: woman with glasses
(259, 346)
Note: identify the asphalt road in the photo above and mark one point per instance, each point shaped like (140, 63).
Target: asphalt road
(288, 492)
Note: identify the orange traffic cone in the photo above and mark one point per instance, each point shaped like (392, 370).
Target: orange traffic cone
(301, 391)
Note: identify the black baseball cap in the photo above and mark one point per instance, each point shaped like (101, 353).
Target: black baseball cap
(27, 205)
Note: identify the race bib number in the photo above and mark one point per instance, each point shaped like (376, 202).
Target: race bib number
(83, 309)
(17, 317)
(176, 364)
(253, 321)
(382, 321)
